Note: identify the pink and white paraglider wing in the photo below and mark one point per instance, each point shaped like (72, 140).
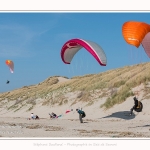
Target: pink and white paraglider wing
(12, 67)
(68, 51)
(146, 44)
(71, 47)
(97, 52)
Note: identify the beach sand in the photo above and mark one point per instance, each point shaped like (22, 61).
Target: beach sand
(98, 123)
(114, 122)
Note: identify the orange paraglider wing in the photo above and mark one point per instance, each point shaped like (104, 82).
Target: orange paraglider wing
(10, 64)
(134, 32)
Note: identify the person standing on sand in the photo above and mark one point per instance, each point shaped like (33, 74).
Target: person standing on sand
(81, 114)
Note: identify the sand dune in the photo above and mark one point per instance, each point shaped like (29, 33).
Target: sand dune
(114, 122)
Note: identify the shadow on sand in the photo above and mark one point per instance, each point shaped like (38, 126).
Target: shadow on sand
(147, 125)
(85, 122)
(121, 114)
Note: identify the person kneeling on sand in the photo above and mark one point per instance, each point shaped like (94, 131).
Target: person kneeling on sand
(138, 106)
(53, 115)
(32, 116)
(81, 114)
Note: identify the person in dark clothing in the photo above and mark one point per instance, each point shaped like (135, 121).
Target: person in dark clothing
(138, 106)
(53, 115)
(37, 117)
(81, 114)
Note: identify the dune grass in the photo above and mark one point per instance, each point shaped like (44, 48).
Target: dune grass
(115, 84)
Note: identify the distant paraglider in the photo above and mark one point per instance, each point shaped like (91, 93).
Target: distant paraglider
(71, 47)
(10, 64)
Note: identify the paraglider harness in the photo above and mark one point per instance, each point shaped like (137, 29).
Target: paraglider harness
(82, 113)
(139, 107)
(7, 82)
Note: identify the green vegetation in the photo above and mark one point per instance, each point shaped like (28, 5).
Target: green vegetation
(116, 85)
(118, 97)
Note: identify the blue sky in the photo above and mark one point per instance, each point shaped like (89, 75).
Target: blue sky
(33, 41)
